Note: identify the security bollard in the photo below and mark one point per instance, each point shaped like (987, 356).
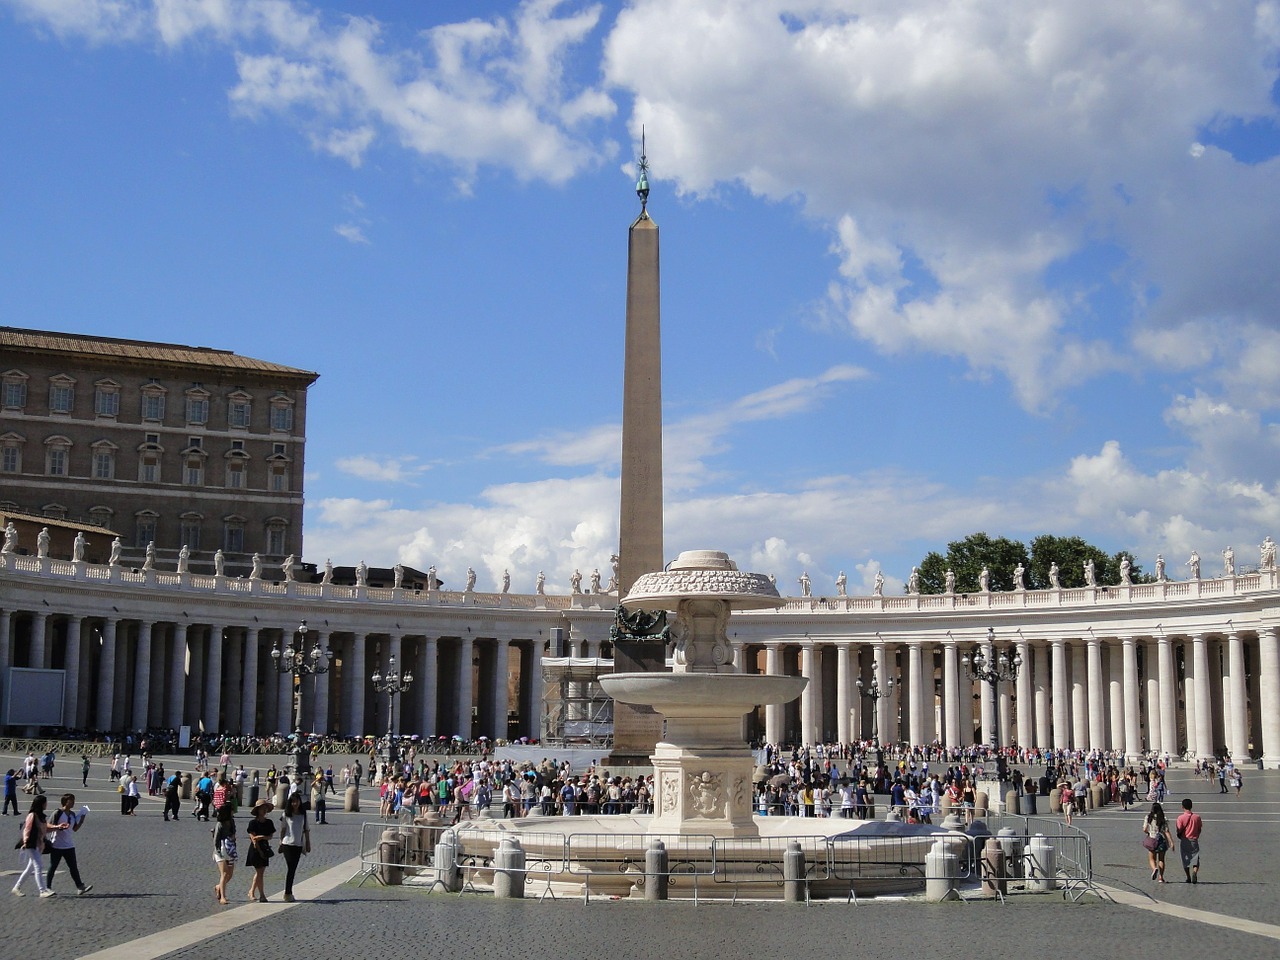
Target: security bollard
(184, 790)
(1055, 800)
(390, 858)
(508, 870)
(1011, 801)
(1042, 865)
(351, 802)
(993, 876)
(655, 871)
(282, 794)
(980, 804)
(941, 873)
(1011, 841)
(447, 874)
(793, 871)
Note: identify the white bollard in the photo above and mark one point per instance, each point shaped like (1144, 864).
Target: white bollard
(1042, 865)
(656, 870)
(446, 856)
(941, 873)
(508, 872)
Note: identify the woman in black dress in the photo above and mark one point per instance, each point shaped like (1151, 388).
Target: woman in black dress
(260, 830)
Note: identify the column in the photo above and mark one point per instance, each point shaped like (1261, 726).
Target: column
(358, 677)
(1268, 693)
(141, 677)
(1061, 703)
(1238, 718)
(1154, 678)
(1115, 690)
(428, 693)
(178, 676)
(6, 656)
(1168, 697)
(1097, 716)
(284, 689)
(1189, 694)
(1079, 697)
(106, 677)
(39, 658)
(951, 694)
(844, 725)
(1132, 733)
(883, 673)
(270, 695)
(915, 694)
(72, 689)
(320, 689)
(501, 689)
(212, 710)
(198, 644)
(396, 650)
(249, 688)
(807, 734)
(773, 712)
(232, 671)
(987, 692)
(535, 689)
(1204, 710)
(1025, 735)
(466, 690)
(1040, 654)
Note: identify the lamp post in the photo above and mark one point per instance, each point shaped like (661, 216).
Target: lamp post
(874, 692)
(299, 662)
(392, 684)
(992, 668)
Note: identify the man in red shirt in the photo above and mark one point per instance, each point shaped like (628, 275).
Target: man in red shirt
(1188, 828)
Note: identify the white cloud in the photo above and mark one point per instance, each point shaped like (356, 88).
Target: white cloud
(390, 470)
(351, 232)
(482, 92)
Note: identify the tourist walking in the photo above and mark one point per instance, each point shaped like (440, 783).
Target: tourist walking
(1237, 780)
(84, 769)
(1188, 827)
(295, 840)
(64, 844)
(11, 791)
(34, 830)
(1157, 840)
(260, 830)
(172, 801)
(224, 849)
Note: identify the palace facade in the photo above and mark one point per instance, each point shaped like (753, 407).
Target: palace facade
(1183, 667)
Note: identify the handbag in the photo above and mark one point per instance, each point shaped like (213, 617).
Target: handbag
(1150, 843)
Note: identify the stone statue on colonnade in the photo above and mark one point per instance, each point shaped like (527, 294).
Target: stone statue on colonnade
(878, 589)
(1228, 562)
(1194, 564)
(255, 571)
(506, 581)
(10, 538)
(1090, 573)
(287, 568)
(362, 574)
(575, 581)
(1160, 575)
(913, 581)
(984, 580)
(595, 580)
(184, 558)
(1268, 554)
(842, 585)
(471, 580)
(116, 547)
(1126, 574)
(77, 547)
(219, 563)
(540, 585)
(1054, 582)
(950, 581)
(1019, 577)
(149, 561)
(328, 571)
(42, 543)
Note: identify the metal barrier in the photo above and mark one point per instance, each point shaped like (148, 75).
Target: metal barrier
(544, 856)
(886, 861)
(755, 860)
(389, 850)
(1073, 868)
(612, 855)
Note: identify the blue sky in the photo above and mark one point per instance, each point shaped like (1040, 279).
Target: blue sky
(928, 267)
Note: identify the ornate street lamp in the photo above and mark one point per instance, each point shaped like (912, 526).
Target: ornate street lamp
(392, 684)
(874, 692)
(296, 660)
(992, 669)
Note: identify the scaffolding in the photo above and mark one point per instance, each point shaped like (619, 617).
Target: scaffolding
(575, 709)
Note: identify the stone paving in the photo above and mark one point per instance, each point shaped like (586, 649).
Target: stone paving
(150, 876)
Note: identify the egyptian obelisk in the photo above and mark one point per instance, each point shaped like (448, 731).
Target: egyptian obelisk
(637, 729)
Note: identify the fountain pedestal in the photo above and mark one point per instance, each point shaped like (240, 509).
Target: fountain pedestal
(702, 766)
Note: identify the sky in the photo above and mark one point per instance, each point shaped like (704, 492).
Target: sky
(928, 267)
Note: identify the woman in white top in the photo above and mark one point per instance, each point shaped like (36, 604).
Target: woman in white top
(295, 840)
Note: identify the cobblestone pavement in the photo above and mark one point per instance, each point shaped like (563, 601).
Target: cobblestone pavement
(150, 876)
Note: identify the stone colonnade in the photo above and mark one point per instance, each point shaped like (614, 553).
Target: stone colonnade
(131, 674)
(1197, 693)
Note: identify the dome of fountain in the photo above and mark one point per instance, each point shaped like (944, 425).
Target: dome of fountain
(702, 575)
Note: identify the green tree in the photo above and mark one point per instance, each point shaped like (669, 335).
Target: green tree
(966, 559)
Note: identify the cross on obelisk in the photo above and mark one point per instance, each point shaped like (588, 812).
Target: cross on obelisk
(636, 729)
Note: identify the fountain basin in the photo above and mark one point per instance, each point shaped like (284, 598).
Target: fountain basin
(702, 695)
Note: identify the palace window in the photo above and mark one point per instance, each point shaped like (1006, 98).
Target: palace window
(233, 534)
(281, 414)
(145, 525)
(62, 394)
(104, 460)
(57, 457)
(197, 406)
(275, 537)
(15, 390)
(153, 402)
(101, 516)
(193, 472)
(11, 453)
(189, 530)
(54, 511)
(106, 398)
(239, 410)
